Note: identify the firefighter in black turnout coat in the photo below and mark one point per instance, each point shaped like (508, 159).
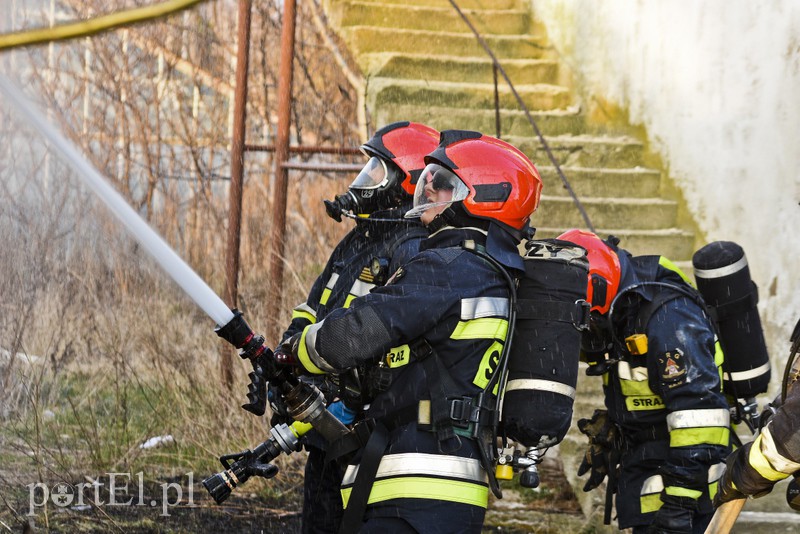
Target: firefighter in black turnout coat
(667, 422)
(438, 325)
(380, 196)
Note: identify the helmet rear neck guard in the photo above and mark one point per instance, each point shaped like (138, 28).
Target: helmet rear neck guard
(604, 268)
(504, 185)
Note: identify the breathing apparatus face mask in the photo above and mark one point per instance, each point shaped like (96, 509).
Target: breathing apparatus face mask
(376, 187)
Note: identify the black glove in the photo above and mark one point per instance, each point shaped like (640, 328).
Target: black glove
(674, 516)
(604, 443)
(280, 413)
(286, 352)
(263, 368)
(740, 479)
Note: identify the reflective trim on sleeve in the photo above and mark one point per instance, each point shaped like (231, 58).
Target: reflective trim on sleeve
(667, 264)
(304, 311)
(747, 375)
(360, 288)
(541, 385)
(714, 474)
(721, 271)
(677, 491)
(326, 293)
(307, 352)
(484, 328)
(699, 418)
(776, 459)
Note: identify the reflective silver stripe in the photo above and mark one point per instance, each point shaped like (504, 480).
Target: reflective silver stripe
(776, 459)
(311, 349)
(361, 288)
(626, 372)
(715, 472)
(747, 375)
(304, 307)
(332, 281)
(653, 484)
(698, 418)
(541, 385)
(413, 463)
(483, 307)
(722, 271)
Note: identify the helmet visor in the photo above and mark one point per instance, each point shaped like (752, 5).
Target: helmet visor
(372, 176)
(437, 186)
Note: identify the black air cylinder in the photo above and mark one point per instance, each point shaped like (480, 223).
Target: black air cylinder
(723, 278)
(543, 363)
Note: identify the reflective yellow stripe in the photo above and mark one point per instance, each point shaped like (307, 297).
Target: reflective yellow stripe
(348, 300)
(483, 328)
(425, 488)
(302, 314)
(398, 356)
(719, 356)
(305, 360)
(677, 491)
(685, 437)
(760, 463)
(650, 503)
(667, 264)
(635, 389)
(776, 459)
(489, 362)
(640, 403)
(326, 294)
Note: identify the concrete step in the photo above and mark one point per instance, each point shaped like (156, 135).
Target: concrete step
(459, 69)
(595, 182)
(386, 92)
(368, 39)
(558, 122)
(672, 243)
(423, 17)
(637, 214)
(463, 4)
(583, 150)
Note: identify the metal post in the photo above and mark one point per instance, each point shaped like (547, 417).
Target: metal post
(237, 166)
(282, 154)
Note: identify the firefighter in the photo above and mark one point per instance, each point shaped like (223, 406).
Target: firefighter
(753, 469)
(666, 428)
(380, 195)
(438, 326)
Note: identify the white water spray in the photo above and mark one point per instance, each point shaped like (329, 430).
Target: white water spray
(192, 284)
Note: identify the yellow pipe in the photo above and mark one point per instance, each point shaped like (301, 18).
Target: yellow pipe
(94, 25)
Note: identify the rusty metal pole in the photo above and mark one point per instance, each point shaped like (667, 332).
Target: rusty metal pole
(282, 154)
(237, 168)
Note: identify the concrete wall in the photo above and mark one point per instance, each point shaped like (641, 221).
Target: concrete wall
(716, 85)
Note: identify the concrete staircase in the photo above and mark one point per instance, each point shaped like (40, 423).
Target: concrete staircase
(422, 63)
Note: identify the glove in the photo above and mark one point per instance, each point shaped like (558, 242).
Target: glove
(740, 479)
(674, 516)
(280, 413)
(342, 412)
(603, 443)
(263, 368)
(286, 352)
